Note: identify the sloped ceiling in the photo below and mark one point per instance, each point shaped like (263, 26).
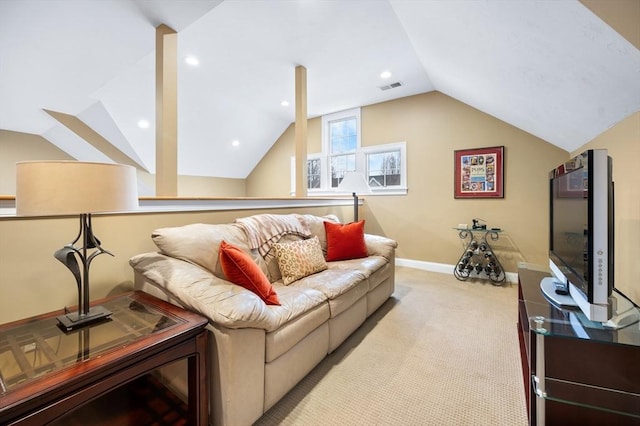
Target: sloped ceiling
(551, 68)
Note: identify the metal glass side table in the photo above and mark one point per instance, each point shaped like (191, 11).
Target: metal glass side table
(478, 260)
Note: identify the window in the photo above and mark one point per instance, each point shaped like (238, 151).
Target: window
(343, 135)
(383, 169)
(383, 165)
(386, 167)
(341, 142)
(314, 173)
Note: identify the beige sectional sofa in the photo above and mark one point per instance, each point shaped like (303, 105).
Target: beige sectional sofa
(258, 352)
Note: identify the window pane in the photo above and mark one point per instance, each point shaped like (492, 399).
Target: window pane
(340, 164)
(313, 173)
(384, 169)
(343, 136)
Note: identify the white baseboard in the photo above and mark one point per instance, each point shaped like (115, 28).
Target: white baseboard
(442, 268)
(425, 266)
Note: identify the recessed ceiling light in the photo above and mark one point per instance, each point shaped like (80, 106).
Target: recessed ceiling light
(385, 74)
(143, 124)
(192, 60)
(235, 143)
(284, 103)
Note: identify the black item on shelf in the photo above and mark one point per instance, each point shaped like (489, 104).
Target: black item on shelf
(477, 225)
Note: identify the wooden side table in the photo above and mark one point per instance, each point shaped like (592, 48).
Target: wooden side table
(46, 373)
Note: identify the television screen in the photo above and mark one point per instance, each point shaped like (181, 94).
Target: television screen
(581, 246)
(569, 238)
(581, 231)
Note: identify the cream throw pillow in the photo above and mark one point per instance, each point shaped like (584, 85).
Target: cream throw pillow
(299, 259)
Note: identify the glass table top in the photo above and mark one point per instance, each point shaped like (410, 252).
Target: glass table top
(496, 230)
(35, 348)
(548, 319)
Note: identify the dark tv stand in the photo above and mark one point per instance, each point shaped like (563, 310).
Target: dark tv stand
(574, 371)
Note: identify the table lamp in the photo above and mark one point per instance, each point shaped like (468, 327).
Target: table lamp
(64, 188)
(355, 183)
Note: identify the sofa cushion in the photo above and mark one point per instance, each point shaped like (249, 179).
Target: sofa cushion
(219, 300)
(342, 287)
(199, 243)
(380, 246)
(271, 261)
(299, 259)
(331, 282)
(315, 224)
(290, 334)
(366, 265)
(240, 269)
(345, 241)
(264, 230)
(316, 227)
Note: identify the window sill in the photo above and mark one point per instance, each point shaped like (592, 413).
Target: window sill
(375, 192)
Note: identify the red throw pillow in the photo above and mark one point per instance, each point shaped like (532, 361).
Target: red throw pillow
(345, 241)
(240, 269)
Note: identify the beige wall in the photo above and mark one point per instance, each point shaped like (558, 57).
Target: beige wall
(196, 186)
(203, 186)
(434, 125)
(32, 282)
(272, 175)
(621, 15)
(623, 143)
(14, 147)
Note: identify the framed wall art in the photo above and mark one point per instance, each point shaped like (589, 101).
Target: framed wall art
(479, 173)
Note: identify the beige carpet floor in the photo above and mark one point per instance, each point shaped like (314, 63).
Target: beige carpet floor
(439, 352)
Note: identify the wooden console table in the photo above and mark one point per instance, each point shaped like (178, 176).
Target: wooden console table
(575, 371)
(46, 373)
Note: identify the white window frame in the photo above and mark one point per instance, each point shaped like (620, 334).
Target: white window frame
(361, 158)
(338, 116)
(388, 147)
(326, 144)
(316, 156)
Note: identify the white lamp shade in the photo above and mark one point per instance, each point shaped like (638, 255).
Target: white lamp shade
(354, 182)
(54, 188)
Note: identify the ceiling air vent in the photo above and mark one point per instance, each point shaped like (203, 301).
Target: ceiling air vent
(391, 86)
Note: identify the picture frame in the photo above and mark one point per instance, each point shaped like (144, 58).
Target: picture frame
(479, 172)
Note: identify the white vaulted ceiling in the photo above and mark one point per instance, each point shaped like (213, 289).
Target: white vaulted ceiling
(551, 68)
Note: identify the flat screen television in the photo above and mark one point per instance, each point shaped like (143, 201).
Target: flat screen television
(581, 232)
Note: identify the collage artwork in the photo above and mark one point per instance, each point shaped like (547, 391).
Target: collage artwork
(478, 173)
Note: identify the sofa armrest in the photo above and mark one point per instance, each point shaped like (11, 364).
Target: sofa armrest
(380, 246)
(197, 289)
(221, 301)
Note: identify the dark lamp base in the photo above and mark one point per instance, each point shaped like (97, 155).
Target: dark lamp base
(75, 320)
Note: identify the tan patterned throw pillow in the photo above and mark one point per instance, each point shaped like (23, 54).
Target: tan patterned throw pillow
(299, 259)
